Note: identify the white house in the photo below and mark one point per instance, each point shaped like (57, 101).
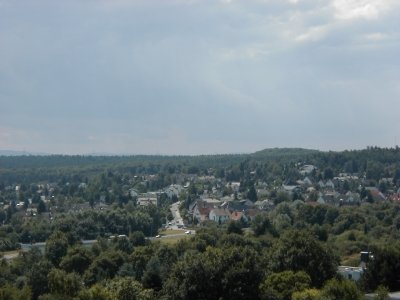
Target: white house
(330, 184)
(219, 215)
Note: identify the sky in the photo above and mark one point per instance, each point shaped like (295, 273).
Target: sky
(198, 76)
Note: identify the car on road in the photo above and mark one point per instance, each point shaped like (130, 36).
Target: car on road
(158, 236)
(188, 232)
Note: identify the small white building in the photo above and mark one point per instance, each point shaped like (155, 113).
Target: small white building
(353, 273)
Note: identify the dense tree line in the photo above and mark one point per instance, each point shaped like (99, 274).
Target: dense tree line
(211, 265)
(217, 263)
(373, 161)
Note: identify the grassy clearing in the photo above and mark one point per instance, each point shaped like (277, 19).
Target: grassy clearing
(10, 252)
(172, 231)
(172, 240)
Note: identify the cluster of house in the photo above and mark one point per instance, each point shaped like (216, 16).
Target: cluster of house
(333, 191)
(153, 198)
(146, 199)
(220, 211)
(222, 200)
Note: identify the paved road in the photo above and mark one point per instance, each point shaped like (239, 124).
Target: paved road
(166, 236)
(392, 296)
(177, 222)
(41, 246)
(27, 247)
(24, 248)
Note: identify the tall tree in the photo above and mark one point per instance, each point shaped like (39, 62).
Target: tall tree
(341, 290)
(56, 247)
(384, 268)
(282, 285)
(300, 251)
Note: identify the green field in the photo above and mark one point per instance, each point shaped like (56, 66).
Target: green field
(172, 240)
(171, 231)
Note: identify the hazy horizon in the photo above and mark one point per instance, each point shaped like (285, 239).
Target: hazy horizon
(8, 152)
(186, 77)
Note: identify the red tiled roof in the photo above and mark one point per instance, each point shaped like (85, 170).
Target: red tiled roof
(236, 215)
(204, 210)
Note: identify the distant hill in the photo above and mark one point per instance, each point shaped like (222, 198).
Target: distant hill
(265, 153)
(19, 153)
(284, 152)
(373, 161)
(12, 153)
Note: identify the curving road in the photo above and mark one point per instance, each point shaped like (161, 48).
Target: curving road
(177, 222)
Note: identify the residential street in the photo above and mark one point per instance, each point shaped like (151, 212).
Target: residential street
(177, 222)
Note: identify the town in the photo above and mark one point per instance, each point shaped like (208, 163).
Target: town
(340, 206)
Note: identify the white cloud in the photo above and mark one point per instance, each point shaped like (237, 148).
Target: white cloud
(260, 70)
(376, 36)
(313, 34)
(360, 9)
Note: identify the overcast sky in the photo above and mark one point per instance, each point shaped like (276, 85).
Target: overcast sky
(198, 76)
